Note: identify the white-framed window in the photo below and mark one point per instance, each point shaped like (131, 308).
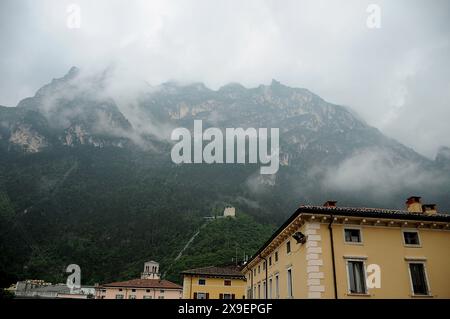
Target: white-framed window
(227, 296)
(270, 288)
(288, 247)
(276, 256)
(277, 286)
(264, 289)
(259, 291)
(119, 296)
(289, 283)
(132, 297)
(148, 297)
(161, 297)
(411, 238)
(353, 235)
(201, 282)
(418, 278)
(356, 276)
(200, 295)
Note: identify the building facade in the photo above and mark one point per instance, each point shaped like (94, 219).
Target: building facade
(213, 283)
(140, 289)
(149, 286)
(338, 252)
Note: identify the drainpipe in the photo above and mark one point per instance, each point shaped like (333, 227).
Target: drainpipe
(267, 275)
(251, 284)
(330, 229)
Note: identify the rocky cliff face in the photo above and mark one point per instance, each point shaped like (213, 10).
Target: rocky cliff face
(311, 129)
(27, 139)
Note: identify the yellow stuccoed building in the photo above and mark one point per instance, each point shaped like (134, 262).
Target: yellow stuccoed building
(213, 283)
(340, 252)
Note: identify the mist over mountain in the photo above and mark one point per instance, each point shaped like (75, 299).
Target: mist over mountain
(86, 175)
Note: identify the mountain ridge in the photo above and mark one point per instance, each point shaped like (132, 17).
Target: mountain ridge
(274, 87)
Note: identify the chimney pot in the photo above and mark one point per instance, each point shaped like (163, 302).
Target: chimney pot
(429, 209)
(414, 205)
(330, 203)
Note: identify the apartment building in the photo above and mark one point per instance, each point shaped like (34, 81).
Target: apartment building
(213, 283)
(341, 252)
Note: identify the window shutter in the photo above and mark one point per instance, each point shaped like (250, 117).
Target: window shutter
(207, 295)
(220, 296)
(233, 296)
(195, 295)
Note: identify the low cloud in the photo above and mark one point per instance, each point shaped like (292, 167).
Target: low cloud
(378, 173)
(260, 184)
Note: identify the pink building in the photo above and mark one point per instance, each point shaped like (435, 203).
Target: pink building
(150, 286)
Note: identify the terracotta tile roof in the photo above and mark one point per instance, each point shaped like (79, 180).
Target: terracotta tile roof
(372, 212)
(144, 283)
(230, 272)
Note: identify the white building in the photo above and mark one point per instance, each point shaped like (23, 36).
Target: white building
(229, 212)
(151, 270)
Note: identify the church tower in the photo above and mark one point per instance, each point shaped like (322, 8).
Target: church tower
(151, 270)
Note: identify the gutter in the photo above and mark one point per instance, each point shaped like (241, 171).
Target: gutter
(330, 229)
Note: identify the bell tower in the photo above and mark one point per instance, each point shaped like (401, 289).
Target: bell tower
(151, 270)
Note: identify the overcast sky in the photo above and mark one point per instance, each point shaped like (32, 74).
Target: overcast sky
(397, 77)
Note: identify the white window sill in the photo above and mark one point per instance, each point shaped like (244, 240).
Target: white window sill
(360, 243)
(358, 295)
(422, 296)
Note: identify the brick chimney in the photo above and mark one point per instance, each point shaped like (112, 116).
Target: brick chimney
(413, 204)
(429, 209)
(330, 203)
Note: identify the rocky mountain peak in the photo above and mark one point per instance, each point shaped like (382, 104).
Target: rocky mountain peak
(276, 83)
(73, 72)
(72, 109)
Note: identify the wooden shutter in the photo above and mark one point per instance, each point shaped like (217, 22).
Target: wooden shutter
(220, 296)
(195, 295)
(207, 295)
(233, 296)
